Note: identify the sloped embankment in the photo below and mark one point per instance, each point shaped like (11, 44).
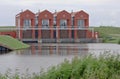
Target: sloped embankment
(12, 43)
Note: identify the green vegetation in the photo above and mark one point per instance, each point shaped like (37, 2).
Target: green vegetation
(11, 43)
(89, 67)
(119, 41)
(109, 34)
(5, 28)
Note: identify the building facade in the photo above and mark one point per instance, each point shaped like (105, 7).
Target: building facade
(59, 26)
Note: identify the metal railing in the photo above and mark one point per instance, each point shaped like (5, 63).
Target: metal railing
(45, 28)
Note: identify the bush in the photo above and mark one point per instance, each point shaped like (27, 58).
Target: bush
(119, 41)
(104, 67)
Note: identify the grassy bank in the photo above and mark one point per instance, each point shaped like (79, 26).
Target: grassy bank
(89, 67)
(6, 28)
(12, 43)
(109, 34)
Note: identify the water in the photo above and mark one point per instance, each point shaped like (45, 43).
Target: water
(46, 55)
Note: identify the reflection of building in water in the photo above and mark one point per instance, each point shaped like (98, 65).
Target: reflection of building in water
(56, 49)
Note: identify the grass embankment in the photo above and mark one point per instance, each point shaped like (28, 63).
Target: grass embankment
(7, 28)
(12, 43)
(89, 67)
(109, 34)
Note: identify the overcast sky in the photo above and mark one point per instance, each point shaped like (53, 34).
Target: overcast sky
(101, 12)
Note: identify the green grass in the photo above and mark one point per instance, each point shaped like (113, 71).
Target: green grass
(6, 30)
(89, 67)
(12, 43)
(109, 34)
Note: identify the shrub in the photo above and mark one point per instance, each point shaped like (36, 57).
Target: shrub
(119, 41)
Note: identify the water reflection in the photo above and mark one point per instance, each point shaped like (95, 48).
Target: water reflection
(46, 55)
(55, 49)
(4, 50)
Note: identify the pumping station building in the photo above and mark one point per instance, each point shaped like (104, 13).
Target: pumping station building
(61, 26)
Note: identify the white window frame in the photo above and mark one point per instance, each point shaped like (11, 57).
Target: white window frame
(63, 23)
(81, 23)
(45, 25)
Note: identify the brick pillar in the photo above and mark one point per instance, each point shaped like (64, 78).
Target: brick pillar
(69, 30)
(39, 31)
(58, 30)
(21, 28)
(87, 25)
(75, 31)
(33, 31)
(51, 26)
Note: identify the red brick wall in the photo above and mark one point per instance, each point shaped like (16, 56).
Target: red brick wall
(45, 15)
(59, 15)
(77, 16)
(45, 34)
(64, 34)
(81, 15)
(95, 34)
(26, 15)
(63, 15)
(11, 33)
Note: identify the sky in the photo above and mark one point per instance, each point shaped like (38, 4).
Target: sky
(101, 12)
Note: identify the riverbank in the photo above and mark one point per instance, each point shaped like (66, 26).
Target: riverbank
(105, 66)
(11, 43)
(109, 34)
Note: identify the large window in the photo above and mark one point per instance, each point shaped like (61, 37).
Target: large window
(81, 23)
(27, 23)
(63, 23)
(45, 23)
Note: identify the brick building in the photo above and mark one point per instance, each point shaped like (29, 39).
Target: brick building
(59, 26)
(25, 20)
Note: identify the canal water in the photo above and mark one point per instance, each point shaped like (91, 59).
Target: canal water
(43, 56)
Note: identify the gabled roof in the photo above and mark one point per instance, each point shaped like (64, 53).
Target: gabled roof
(24, 12)
(74, 13)
(43, 11)
(56, 13)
